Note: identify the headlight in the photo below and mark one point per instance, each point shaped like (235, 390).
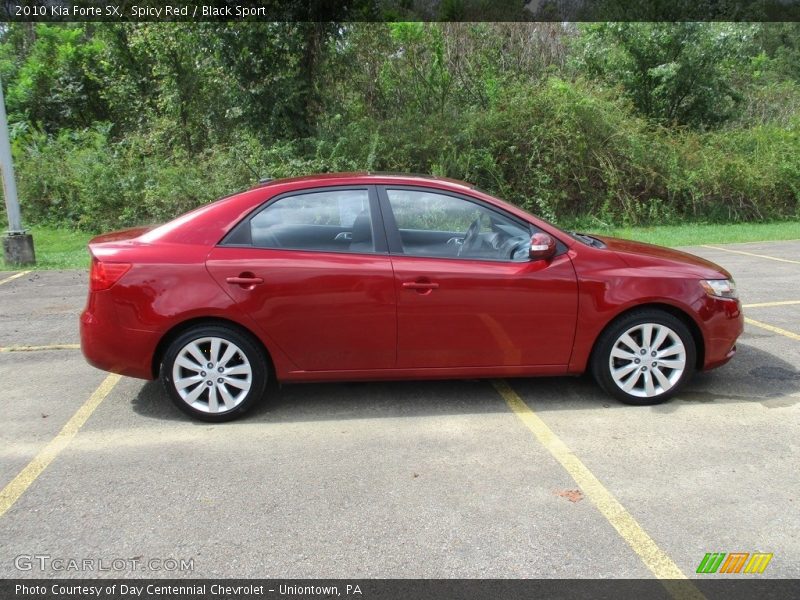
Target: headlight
(722, 288)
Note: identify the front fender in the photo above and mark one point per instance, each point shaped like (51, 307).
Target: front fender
(605, 294)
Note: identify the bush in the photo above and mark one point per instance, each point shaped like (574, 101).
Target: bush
(569, 151)
(80, 179)
(742, 175)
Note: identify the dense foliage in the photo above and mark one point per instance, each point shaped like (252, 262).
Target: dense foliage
(118, 124)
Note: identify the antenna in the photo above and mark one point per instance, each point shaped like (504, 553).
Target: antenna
(246, 164)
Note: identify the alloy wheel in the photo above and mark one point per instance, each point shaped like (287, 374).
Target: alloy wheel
(647, 360)
(212, 375)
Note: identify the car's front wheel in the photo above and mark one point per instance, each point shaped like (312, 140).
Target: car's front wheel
(214, 373)
(645, 357)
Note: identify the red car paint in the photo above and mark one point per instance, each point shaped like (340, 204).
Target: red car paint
(347, 316)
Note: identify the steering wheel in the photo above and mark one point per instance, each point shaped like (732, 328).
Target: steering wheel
(470, 238)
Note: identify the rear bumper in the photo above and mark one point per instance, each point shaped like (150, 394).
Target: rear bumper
(723, 323)
(112, 347)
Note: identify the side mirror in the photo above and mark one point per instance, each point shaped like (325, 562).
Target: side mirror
(543, 247)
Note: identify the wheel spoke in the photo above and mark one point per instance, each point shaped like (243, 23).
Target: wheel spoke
(237, 370)
(672, 364)
(242, 384)
(185, 362)
(195, 393)
(230, 352)
(196, 353)
(649, 388)
(621, 372)
(619, 352)
(187, 381)
(662, 379)
(214, 351)
(227, 398)
(670, 351)
(632, 380)
(628, 341)
(647, 335)
(213, 404)
(661, 335)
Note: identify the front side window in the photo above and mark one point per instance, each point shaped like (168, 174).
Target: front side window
(332, 221)
(444, 226)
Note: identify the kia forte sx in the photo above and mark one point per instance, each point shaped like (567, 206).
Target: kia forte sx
(387, 277)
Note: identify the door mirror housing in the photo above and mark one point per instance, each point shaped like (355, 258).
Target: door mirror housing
(543, 247)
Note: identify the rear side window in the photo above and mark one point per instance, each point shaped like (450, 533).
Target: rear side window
(333, 220)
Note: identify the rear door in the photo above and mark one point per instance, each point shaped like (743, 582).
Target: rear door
(312, 269)
(467, 293)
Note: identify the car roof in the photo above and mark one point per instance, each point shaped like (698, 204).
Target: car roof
(364, 177)
(207, 224)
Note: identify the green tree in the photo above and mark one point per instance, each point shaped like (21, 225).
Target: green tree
(53, 75)
(673, 72)
(274, 70)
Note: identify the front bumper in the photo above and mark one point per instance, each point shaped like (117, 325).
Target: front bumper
(723, 323)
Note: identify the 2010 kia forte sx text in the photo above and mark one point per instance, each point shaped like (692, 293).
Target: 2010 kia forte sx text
(370, 276)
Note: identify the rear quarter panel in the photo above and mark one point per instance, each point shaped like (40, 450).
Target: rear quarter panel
(155, 296)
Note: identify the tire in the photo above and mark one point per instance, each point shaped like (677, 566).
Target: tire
(621, 368)
(228, 388)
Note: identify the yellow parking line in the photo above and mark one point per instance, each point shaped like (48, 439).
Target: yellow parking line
(12, 492)
(788, 260)
(768, 304)
(653, 557)
(39, 348)
(13, 277)
(773, 329)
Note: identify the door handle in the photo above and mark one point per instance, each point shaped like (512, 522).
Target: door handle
(246, 280)
(420, 285)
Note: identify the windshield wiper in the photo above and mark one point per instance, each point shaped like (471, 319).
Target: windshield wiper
(582, 237)
(587, 239)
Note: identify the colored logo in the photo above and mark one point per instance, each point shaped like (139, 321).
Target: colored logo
(736, 562)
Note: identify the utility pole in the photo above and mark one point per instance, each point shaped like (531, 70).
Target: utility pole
(17, 243)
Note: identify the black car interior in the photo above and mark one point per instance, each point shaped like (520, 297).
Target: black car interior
(489, 236)
(500, 242)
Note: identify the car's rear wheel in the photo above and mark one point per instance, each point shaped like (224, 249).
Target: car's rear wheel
(645, 357)
(214, 373)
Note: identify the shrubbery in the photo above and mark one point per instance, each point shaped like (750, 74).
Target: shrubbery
(571, 147)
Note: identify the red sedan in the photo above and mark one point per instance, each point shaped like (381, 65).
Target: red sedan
(368, 276)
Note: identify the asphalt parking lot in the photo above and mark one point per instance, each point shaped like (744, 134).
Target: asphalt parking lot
(471, 479)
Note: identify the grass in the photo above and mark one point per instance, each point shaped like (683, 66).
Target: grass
(694, 234)
(65, 249)
(57, 249)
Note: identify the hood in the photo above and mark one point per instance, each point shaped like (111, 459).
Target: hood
(640, 254)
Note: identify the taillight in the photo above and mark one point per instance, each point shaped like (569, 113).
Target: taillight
(105, 274)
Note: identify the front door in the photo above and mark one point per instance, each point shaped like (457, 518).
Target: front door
(467, 293)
